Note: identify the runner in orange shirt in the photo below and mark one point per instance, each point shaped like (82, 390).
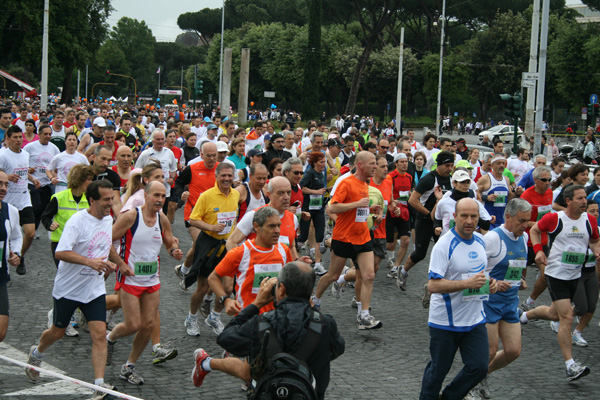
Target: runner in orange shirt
(351, 238)
(255, 260)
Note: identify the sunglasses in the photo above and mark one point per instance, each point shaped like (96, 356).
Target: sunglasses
(544, 179)
(297, 172)
(384, 147)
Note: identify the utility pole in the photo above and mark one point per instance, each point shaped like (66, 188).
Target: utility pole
(221, 62)
(399, 94)
(533, 60)
(44, 94)
(86, 80)
(539, 115)
(438, 116)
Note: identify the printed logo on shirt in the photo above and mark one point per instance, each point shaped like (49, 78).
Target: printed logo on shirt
(473, 255)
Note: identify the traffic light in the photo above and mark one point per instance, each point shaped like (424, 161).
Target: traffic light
(199, 87)
(513, 105)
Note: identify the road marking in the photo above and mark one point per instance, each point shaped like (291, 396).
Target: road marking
(54, 388)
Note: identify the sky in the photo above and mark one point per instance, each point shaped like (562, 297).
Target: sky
(162, 19)
(160, 16)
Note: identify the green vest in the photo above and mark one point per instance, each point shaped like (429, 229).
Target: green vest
(67, 206)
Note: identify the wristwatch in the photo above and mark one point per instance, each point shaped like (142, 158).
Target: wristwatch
(223, 298)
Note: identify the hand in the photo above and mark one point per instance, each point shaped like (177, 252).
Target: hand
(54, 180)
(176, 241)
(265, 295)
(36, 183)
(438, 231)
(321, 191)
(540, 258)
(378, 219)
(232, 307)
(13, 178)
(54, 226)
(376, 209)
(31, 170)
(476, 281)
(334, 171)
(493, 220)
(362, 202)
(523, 284)
(502, 286)
(101, 265)
(438, 192)
(491, 197)
(305, 215)
(519, 191)
(305, 259)
(126, 270)
(292, 209)
(184, 196)
(177, 254)
(218, 227)
(14, 259)
(494, 286)
(397, 211)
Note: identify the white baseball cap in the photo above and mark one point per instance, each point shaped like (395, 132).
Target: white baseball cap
(99, 121)
(460, 176)
(222, 146)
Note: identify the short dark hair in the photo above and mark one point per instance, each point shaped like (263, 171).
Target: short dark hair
(444, 140)
(369, 145)
(298, 282)
(12, 129)
(4, 111)
(93, 190)
(521, 151)
(569, 191)
(577, 169)
(42, 127)
(222, 166)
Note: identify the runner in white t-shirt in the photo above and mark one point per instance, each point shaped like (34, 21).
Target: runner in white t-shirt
(83, 251)
(61, 164)
(159, 152)
(519, 166)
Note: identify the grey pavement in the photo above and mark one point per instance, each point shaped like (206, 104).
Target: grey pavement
(380, 364)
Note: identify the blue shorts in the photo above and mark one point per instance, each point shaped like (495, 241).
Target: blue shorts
(501, 310)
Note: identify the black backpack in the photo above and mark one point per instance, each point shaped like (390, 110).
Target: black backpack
(278, 375)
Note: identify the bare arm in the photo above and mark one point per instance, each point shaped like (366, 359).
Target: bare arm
(117, 205)
(235, 239)
(83, 144)
(416, 203)
(90, 151)
(123, 223)
(445, 286)
(338, 208)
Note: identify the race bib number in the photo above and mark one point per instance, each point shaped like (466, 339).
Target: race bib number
(315, 202)
(574, 257)
(514, 272)
(543, 210)
(500, 199)
(227, 219)
(403, 197)
(144, 268)
(480, 294)
(40, 170)
(361, 214)
(264, 271)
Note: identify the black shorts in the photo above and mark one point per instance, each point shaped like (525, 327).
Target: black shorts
(396, 225)
(3, 299)
(379, 247)
(173, 198)
(531, 254)
(26, 216)
(560, 289)
(95, 310)
(349, 250)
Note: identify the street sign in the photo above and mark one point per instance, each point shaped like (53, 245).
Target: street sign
(584, 117)
(530, 76)
(269, 94)
(528, 83)
(584, 110)
(594, 98)
(171, 92)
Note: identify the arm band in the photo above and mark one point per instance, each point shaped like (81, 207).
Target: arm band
(538, 247)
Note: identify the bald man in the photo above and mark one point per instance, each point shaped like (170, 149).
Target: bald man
(124, 164)
(458, 287)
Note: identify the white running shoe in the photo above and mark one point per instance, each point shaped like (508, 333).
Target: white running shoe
(192, 326)
(319, 270)
(554, 325)
(578, 340)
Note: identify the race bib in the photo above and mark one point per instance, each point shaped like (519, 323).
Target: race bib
(143, 268)
(361, 214)
(385, 207)
(40, 170)
(315, 202)
(480, 294)
(543, 210)
(573, 257)
(264, 271)
(284, 239)
(403, 197)
(500, 199)
(514, 272)
(227, 219)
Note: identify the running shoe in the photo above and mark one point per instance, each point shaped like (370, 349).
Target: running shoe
(198, 374)
(401, 281)
(36, 362)
(426, 298)
(576, 371)
(484, 389)
(319, 270)
(71, 332)
(520, 312)
(554, 325)
(311, 253)
(130, 374)
(578, 340)
(368, 322)
(21, 270)
(205, 308)
(337, 289)
(163, 353)
(215, 324)
(110, 351)
(527, 307)
(192, 326)
(110, 320)
(473, 394)
(389, 263)
(353, 302)
(322, 247)
(99, 395)
(393, 273)
(180, 276)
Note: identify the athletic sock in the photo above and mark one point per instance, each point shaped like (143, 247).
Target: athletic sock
(130, 364)
(530, 301)
(569, 362)
(576, 332)
(99, 381)
(155, 347)
(206, 364)
(108, 339)
(359, 305)
(364, 313)
(341, 280)
(37, 354)
(192, 316)
(215, 315)
(317, 265)
(403, 271)
(524, 318)
(316, 301)
(184, 269)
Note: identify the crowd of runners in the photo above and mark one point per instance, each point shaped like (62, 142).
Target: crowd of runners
(106, 183)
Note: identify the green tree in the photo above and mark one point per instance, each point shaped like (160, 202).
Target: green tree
(312, 62)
